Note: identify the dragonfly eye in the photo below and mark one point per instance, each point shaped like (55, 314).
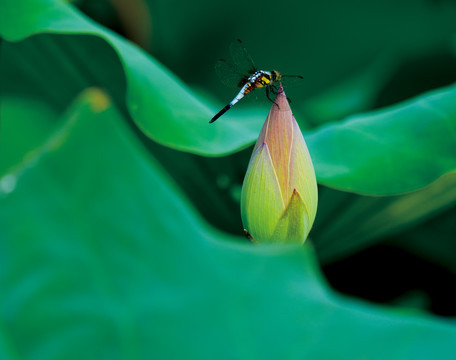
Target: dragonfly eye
(276, 76)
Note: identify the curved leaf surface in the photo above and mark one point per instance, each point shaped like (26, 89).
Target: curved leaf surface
(99, 248)
(161, 104)
(399, 149)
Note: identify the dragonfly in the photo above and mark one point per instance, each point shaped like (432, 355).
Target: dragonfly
(242, 72)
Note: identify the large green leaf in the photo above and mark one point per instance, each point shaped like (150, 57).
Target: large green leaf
(101, 257)
(391, 151)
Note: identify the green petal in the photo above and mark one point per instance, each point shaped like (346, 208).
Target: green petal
(261, 199)
(294, 224)
(302, 174)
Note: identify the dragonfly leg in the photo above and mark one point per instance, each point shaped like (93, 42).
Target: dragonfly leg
(270, 89)
(268, 94)
(274, 89)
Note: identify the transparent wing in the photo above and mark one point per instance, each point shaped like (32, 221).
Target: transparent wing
(235, 72)
(241, 58)
(228, 73)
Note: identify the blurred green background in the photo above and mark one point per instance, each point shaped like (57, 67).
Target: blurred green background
(120, 231)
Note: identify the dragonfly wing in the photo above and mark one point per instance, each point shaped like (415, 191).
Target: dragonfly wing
(241, 58)
(228, 73)
(236, 71)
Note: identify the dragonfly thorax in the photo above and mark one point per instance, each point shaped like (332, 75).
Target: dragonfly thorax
(263, 78)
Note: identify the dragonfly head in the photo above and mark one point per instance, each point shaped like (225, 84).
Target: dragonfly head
(276, 76)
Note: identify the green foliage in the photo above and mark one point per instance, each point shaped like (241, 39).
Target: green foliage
(133, 281)
(153, 93)
(112, 202)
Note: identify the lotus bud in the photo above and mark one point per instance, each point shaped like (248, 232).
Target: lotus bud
(279, 195)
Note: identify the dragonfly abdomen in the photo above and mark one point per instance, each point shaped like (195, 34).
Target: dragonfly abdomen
(220, 113)
(241, 71)
(258, 80)
(245, 89)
